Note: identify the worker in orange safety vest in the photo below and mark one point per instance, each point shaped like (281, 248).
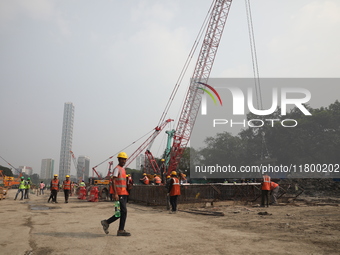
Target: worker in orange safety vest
(274, 189)
(157, 180)
(145, 179)
(118, 187)
(265, 188)
(54, 188)
(174, 191)
(67, 187)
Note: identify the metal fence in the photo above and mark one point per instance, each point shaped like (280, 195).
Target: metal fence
(197, 193)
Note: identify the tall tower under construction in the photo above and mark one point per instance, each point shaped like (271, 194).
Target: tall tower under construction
(66, 141)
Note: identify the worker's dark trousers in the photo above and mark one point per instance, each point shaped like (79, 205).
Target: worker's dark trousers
(123, 213)
(54, 194)
(173, 202)
(67, 194)
(22, 194)
(265, 198)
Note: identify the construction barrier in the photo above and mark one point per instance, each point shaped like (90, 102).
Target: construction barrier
(82, 193)
(93, 194)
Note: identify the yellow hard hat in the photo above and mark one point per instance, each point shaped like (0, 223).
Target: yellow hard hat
(122, 155)
(144, 174)
(67, 176)
(127, 175)
(55, 175)
(162, 159)
(184, 175)
(173, 173)
(168, 176)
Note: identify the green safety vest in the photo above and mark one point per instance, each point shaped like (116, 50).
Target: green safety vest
(22, 185)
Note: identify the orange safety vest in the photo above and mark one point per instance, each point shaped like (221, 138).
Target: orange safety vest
(273, 185)
(54, 184)
(120, 182)
(266, 182)
(158, 180)
(67, 185)
(175, 189)
(145, 180)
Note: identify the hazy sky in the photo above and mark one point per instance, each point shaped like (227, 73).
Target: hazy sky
(118, 61)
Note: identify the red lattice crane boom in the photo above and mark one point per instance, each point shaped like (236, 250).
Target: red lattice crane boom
(201, 73)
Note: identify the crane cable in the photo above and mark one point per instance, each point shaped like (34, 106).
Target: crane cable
(124, 148)
(256, 72)
(186, 65)
(254, 56)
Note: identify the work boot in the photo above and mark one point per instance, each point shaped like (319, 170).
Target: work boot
(123, 233)
(105, 226)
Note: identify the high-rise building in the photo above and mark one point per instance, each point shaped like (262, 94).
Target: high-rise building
(140, 161)
(66, 141)
(26, 169)
(83, 168)
(47, 168)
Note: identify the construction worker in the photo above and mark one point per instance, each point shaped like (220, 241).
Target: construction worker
(67, 188)
(157, 180)
(274, 190)
(129, 183)
(21, 188)
(183, 178)
(54, 188)
(145, 179)
(174, 191)
(167, 184)
(41, 187)
(27, 188)
(265, 188)
(82, 184)
(118, 187)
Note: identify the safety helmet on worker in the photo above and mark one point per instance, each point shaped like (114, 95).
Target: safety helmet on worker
(28, 178)
(144, 174)
(162, 159)
(55, 175)
(173, 173)
(168, 177)
(122, 155)
(22, 177)
(67, 176)
(127, 175)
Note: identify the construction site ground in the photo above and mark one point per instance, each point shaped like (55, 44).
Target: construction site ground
(306, 226)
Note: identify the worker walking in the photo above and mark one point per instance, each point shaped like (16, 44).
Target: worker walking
(67, 187)
(118, 187)
(174, 191)
(21, 189)
(265, 188)
(274, 189)
(54, 188)
(145, 179)
(41, 187)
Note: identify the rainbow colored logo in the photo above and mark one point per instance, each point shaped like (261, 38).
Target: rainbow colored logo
(204, 101)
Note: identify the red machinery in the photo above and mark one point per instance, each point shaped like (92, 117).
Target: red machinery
(201, 73)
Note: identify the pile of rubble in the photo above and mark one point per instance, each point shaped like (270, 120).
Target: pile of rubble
(315, 187)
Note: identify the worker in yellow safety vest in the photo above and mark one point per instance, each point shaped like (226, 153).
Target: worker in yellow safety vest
(21, 188)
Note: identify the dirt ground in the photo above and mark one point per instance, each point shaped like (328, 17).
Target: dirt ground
(36, 227)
